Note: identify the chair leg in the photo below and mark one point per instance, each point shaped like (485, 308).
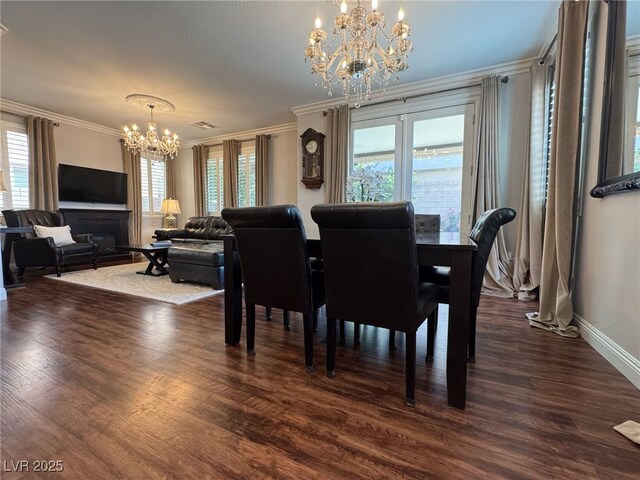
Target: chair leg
(308, 342)
(285, 319)
(58, 271)
(356, 334)
(95, 263)
(435, 315)
(331, 347)
(315, 319)
(251, 328)
(432, 319)
(472, 335)
(392, 340)
(410, 379)
(267, 312)
(342, 331)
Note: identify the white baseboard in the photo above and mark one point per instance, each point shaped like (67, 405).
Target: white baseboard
(617, 356)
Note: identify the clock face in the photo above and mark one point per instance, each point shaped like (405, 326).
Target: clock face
(311, 146)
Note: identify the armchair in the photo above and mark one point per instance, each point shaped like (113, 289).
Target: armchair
(31, 251)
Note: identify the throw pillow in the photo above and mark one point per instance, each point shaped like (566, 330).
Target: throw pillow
(61, 235)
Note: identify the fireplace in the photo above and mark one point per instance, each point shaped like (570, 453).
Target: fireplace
(108, 227)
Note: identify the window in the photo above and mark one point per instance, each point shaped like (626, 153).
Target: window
(421, 155)
(15, 166)
(214, 181)
(247, 177)
(153, 183)
(214, 188)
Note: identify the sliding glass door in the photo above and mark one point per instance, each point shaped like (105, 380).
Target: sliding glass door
(424, 157)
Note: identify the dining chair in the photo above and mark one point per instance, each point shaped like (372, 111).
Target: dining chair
(483, 234)
(351, 236)
(425, 223)
(276, 270)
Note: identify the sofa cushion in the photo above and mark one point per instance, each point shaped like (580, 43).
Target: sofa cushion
(210, 254)
(77, 248)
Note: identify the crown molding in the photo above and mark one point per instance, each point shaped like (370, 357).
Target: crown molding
(426, 86)
(286, 127)
(16, 108)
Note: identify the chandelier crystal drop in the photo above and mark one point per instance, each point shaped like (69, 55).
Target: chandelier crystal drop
(365, 54)
(158, 147)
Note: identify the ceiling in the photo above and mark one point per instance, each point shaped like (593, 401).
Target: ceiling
(236, 64)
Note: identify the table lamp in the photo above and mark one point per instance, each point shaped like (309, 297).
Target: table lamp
(170, 207)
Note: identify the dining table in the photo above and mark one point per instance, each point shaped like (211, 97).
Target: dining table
(444, 249)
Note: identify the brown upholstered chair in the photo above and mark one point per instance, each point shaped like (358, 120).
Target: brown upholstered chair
(483, 234)
(30, 251)
(362, 242)
(276, 269)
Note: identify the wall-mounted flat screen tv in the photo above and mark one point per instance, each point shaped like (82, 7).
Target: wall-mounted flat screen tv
(90, 185)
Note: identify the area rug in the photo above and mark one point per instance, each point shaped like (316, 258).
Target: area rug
(124, 279)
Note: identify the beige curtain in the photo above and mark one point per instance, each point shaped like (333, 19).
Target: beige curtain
(498, 276)
(556, 309)
(43, 174)
(171, 177)
(262, 169)
(339, 119)
(528, 255)
(131, 166)
(200, 155)
(230, 151)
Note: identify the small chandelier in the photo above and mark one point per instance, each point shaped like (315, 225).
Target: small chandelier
(360, 59)
(152, 144)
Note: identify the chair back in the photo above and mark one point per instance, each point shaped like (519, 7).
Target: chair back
(370, 262)
(484, 234)
(272, 246)
(427, 223)
(28, 218)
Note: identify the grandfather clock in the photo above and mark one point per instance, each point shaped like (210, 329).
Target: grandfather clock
(312, 158)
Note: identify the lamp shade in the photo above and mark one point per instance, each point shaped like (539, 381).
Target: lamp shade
(170, 206)
(3, 188)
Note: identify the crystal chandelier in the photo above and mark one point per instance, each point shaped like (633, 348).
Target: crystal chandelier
(360, 59)
(157, 147)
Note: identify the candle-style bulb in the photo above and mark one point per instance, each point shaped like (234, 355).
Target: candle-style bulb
(318, 22)
(343, 6)
(400, 14)
(374, 5)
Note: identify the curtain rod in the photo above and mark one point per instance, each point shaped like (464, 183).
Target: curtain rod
(543, 58)
(504, 79)
(55, 124)
(249, 139)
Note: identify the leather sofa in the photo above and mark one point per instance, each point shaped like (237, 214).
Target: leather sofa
(196, 254)
(31, 251)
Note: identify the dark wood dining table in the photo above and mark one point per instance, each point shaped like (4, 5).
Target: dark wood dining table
(436, 249)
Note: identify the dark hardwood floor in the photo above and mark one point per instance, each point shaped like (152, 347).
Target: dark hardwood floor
(119, 387)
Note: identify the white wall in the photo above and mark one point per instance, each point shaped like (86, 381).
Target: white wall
(281, 175)
(607, 291)
(86, 148)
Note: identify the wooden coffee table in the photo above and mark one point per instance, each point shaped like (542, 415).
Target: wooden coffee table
(157, 257)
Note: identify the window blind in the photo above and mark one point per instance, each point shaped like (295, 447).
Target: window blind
(215, 186)
(15, 167)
